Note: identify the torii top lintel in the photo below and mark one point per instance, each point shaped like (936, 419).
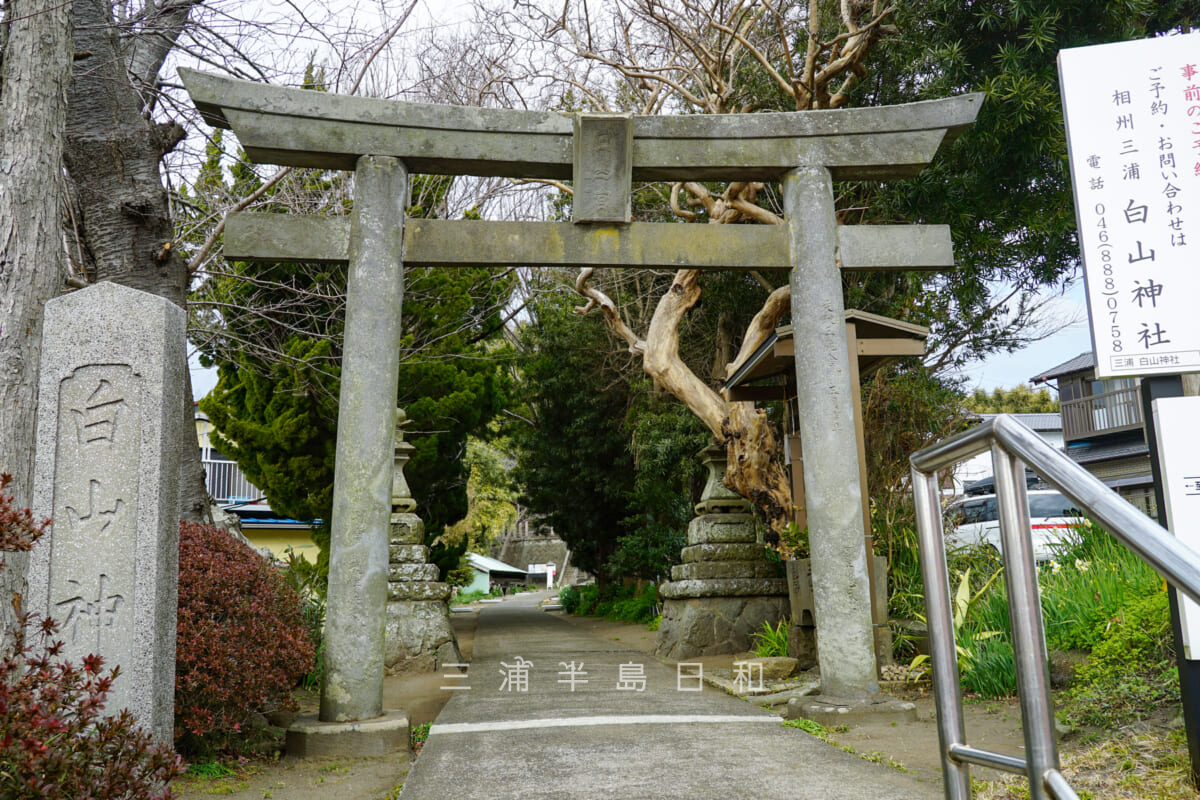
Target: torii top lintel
(297, 127)
(603, 154)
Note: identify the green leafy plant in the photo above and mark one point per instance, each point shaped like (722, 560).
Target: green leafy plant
(310, 584)
(56, 743)
(417, 736)
(771, 641)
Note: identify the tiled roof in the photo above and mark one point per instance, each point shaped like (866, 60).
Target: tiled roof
(1049, 421)
(1090, 453)
(1081, 362)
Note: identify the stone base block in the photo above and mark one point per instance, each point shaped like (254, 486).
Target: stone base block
(802, 645)
(831, 711)
(418, 590)
(723, 587)
(723, 552)
(418, 637)
(702, 626)
(413, 572)
(708, 570)
(722, 529)
(384, 736)
(408, 554)
(406, 528)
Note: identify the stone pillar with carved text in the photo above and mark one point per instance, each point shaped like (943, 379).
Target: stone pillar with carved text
(107, 473)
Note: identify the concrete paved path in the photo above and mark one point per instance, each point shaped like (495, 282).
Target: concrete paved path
(546, 738)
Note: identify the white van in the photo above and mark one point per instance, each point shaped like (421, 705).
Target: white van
(975, 522)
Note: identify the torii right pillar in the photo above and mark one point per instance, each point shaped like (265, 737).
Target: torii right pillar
(833, 490)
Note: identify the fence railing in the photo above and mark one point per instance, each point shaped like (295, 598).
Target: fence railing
(1120, 409)
(227, 484)
(1013, 445)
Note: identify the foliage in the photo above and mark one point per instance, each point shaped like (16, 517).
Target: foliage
(310, 585)
(18, 530)
(274, 331)
(905, 407)
(491, 497)
(1019, 400)
(1004, 185)
(462, 574)
(665, 438)
(574, 466)
(771, 641)
(55, 741)
(616, 603)
(632, 605)
(1086, 589)
(242, 642)
(478, 594)
(1131, 671)
(569, 597)
(581, 601)
(418, 735)
(1096, 596)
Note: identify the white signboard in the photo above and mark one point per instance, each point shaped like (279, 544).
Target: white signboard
(1133, 132)
(1179, 458)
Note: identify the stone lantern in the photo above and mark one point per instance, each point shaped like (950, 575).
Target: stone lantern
(725, 589)
(418, 636)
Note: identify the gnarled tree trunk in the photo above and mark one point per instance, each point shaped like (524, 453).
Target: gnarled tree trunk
(33, 103)
(113, 153)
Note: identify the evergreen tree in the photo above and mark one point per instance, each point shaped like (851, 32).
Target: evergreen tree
(274, 333)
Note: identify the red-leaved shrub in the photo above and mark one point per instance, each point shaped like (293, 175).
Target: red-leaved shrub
(241, 645)
(55, 743)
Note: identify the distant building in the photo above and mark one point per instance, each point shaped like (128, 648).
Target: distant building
(973, 475)
(489, 573)
(1103, 429)
(235, 494)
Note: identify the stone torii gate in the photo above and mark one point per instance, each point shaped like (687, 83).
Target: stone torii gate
(384, 141)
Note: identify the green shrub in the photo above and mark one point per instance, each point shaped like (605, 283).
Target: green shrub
(1089, 585)
(310, 584)
(241, 642)
(1087, 592)
(634, 606)
(1131, 671)
(589, 598)
(569, 597)
(623, 603)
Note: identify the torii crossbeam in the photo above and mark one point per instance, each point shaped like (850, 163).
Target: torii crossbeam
(383, 141)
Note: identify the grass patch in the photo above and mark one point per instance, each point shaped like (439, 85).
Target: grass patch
(813, 728)
(1139, 762)
(210, 769)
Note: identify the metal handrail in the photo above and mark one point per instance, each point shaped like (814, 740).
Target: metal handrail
(1013, 445)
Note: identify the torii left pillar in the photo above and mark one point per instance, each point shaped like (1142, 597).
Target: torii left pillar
(352, 683)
